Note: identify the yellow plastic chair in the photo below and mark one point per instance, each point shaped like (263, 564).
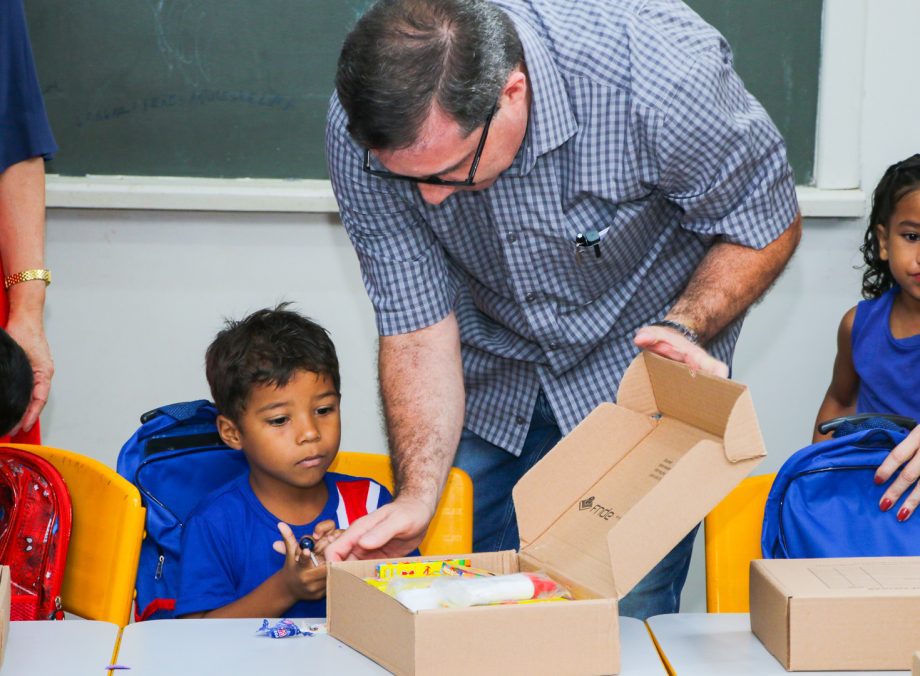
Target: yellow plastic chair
(105, 540)
(451, 529)
(733, 531)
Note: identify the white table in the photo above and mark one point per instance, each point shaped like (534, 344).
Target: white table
(638, 655)
(66, 647)
(722, 643)
(233, 648)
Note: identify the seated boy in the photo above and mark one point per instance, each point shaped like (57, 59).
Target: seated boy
(274, 377)
(16, 382)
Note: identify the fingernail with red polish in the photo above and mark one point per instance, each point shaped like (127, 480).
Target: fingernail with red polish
(879, 481)
(885, 504)
(903, 514)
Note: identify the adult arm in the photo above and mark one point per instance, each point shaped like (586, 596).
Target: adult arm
(840, 398)
(421, 383)
(905, 456)
(730, 278)
(22, 246)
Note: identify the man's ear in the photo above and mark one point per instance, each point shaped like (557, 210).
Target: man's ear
(516, 87)
(882, 233)
(229, 432)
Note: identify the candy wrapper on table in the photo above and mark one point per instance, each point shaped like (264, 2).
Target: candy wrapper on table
(596, 514)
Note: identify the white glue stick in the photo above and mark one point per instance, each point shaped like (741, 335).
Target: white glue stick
(481, 591)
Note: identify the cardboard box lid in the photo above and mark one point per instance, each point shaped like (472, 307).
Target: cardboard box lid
(863, 577)
(641, 504)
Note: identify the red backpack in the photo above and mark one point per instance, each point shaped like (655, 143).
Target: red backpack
(35, 520)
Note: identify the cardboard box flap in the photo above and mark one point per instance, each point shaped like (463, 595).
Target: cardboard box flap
(656, 386)
(622, 488)
(545, 492)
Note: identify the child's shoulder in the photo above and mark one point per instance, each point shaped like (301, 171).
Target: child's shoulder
(228, 498)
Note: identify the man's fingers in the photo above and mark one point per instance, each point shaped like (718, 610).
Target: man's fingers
(672, 345)
(344, 547)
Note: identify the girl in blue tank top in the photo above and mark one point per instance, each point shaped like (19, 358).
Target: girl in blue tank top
(878, 342)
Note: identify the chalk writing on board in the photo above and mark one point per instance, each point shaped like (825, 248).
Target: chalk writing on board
(198, 97)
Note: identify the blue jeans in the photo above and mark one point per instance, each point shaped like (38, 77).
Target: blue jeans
(495, 472)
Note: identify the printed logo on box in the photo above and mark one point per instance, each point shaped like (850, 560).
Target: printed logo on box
(597, 509)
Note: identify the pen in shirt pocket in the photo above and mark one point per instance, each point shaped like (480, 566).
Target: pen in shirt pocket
(590, 239)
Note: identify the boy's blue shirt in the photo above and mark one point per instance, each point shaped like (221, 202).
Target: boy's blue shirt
(227, 542)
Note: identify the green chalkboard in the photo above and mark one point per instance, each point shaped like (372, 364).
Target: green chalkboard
(227, 88)
(777, 46)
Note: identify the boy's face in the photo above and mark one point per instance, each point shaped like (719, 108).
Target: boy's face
(290, 434)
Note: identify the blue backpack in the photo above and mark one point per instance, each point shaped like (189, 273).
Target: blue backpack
(175, 459)
(824, 502)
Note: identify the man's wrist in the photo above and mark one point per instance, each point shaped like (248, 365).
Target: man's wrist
(681, 328)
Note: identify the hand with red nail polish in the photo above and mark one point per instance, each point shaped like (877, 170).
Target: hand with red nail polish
(903, 463)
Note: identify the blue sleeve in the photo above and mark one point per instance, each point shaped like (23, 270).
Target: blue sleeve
(24, 128)
(206, 580)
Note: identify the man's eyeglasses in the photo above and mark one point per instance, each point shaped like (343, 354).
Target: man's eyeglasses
(434, 180)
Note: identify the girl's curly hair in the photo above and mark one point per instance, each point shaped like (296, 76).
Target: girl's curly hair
(899, 179)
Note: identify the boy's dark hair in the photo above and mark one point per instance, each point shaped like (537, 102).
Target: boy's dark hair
(16, 382)
(266, 348)
(404, 56)
(899, 180)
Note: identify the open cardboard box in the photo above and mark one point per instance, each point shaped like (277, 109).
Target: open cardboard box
(597, 514)
(837, 614)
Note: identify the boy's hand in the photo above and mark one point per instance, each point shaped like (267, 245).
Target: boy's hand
(304, 580)
(325, 534)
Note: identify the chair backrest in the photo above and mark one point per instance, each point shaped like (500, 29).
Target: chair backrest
(732, 539)
(451, 529)
(105, 540)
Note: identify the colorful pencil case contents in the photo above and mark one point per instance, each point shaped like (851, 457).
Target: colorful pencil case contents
(455, 585)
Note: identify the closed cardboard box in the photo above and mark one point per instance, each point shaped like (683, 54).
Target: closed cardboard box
(837, 614)
(597, 513)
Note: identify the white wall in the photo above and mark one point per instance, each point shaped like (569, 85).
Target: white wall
(138, 295)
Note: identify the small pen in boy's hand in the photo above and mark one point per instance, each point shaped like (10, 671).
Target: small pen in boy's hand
(307, 543)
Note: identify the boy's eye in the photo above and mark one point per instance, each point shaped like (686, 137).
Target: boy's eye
(912, 236)
(325, 410)
(279, 421)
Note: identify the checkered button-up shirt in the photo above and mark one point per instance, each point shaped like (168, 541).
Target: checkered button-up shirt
(640, 130)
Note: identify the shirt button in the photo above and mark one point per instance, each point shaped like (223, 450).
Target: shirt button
(520, 420)
(553, 346)
(530, 296)
(512, 237)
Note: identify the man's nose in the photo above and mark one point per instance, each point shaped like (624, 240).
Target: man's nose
(435, 194)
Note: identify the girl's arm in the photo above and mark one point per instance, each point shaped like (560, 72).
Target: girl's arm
(840, 399)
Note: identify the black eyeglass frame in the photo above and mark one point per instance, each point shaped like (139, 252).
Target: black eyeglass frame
(434, 180)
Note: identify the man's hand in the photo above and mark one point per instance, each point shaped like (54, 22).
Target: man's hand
(31, 337)
(393, 530)
(301, 578)
(671, 344)
(905, 455)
